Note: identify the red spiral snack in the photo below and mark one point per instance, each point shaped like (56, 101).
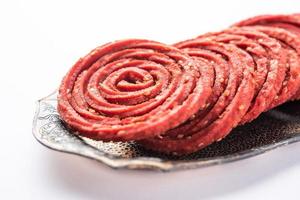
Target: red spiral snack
(270, 59)
(289, 22)
(179, 99)
(291, 43)
(226, 112)
(285, 28)
(133, 89)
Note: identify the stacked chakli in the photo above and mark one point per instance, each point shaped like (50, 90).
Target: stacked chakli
(178, 99)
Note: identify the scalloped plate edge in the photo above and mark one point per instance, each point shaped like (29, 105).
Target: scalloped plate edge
(146, 163)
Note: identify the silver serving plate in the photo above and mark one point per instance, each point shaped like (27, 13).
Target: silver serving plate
(276, 128)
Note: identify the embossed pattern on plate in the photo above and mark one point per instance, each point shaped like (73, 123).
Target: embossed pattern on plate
(278, 127)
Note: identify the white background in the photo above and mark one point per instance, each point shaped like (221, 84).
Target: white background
(39, 42)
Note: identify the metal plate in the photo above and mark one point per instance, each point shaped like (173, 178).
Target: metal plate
(278, 127)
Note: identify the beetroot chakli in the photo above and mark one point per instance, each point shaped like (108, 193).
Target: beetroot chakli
(178, 99)
(133, 89)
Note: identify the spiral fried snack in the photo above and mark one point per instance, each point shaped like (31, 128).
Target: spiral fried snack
(179, 99)
(133, 89)
(284, 28)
